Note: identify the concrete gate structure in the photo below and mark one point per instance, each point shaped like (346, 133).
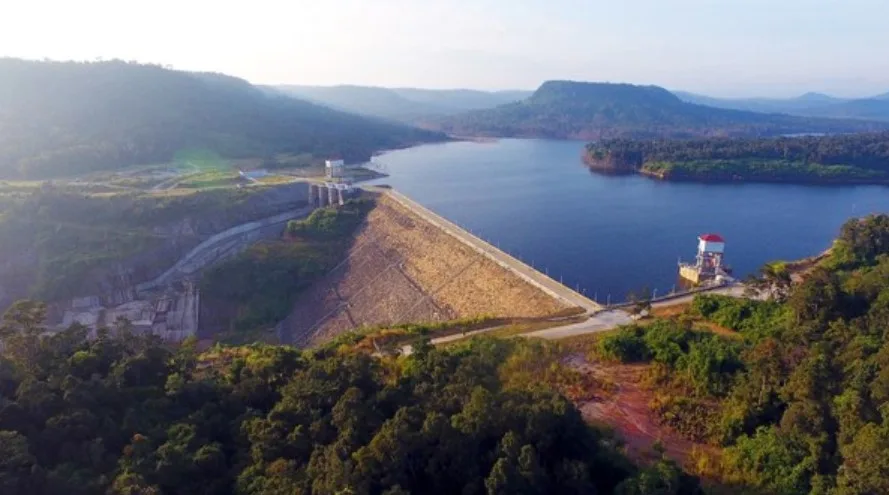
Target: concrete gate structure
(328, 194)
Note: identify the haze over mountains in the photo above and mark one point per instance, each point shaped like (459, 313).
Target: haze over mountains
(809, 104)
(403, 104)
(62, 118)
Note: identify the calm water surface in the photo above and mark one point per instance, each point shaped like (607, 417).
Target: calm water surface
(611, 235)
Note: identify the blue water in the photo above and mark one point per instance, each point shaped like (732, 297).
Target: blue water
(608, 235)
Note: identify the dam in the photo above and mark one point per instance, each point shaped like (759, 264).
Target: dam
(409, 265)
(514, 265)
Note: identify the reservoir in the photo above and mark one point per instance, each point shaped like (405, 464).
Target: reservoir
(609, 235)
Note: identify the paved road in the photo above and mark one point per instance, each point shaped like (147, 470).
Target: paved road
(512, 264)
(600, 322)
(608, 320)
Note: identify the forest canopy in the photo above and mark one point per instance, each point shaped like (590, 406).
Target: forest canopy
(124, 414)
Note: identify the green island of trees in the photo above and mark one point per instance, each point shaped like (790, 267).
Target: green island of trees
(799, 397)
(842, 158)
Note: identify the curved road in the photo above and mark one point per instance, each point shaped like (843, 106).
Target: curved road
(220, 245)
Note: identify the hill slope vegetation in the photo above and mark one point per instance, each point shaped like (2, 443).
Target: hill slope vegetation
(800, 397)
(578, 110)
(63, 118)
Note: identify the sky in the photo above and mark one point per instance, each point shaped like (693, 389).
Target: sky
(730, 48)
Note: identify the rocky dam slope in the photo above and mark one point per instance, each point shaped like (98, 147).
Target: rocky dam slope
(402, 269)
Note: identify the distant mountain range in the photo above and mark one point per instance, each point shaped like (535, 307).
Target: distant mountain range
(809, 105)
(581, 110)
(62, 118)
(401, 104)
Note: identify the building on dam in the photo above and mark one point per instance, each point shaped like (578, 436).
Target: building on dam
(708, 267)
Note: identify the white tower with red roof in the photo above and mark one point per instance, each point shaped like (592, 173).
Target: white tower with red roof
(711, 247)
(708, 263)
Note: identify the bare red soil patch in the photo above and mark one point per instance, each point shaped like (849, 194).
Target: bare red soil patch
(625, 410)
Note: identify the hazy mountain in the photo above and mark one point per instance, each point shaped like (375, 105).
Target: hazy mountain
(765, 105)
(870, 109)
(456, 100)
(809, 104)
(67, 117)
(403, 104)
(579, 110)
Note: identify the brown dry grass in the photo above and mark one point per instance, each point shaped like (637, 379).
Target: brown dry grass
(679, 310)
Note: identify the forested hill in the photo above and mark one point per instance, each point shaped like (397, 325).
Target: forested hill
(62, 118)
(798, 397)
(852, 158)
(579, 110)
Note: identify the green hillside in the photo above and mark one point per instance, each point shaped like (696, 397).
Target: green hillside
(578, 110)
(63, 118)
(798, 394)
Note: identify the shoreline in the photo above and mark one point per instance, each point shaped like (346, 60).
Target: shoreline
(764, 180)
(615, 171)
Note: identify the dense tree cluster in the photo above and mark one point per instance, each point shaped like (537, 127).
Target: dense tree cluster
(801, 400)
(65, 118)
(843, 157)
(578, 110)
(122, 413)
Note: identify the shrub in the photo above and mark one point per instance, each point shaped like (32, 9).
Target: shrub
(628, 345)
